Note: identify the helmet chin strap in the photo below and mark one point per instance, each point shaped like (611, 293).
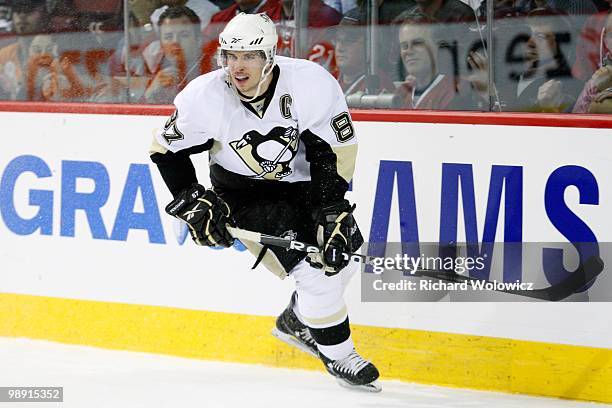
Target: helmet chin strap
(264, 74)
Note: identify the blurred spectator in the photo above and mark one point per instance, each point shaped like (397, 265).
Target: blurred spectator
(570, 7)
(388, 10)
(545, 83)
(454, 30)
(140, 35)
(223, 4)
(139, 74)
(443, 11)
(99, 16)
(67, 66)
(29, 18)
(589, 47)
(180, 54)
(138, 39)
(142, 11)
(341, 6)
(596, 97)
(385, 29)
(85, 54)
(350, 53)
(42, 64)
(320, 16)
(504, 9)
(204, 9)
(42, 69)
(424, 86)
(6, 25)
(318, 42)
(218, 21)
(63, 15)
(602, 5)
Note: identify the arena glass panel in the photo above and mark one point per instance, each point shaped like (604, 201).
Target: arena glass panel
(543, 57)
(60, 51)
(548, 56)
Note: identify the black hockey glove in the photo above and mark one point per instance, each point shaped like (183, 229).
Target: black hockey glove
(337, 234)
(206, 215)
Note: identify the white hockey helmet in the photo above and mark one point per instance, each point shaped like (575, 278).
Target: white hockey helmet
(250, 32)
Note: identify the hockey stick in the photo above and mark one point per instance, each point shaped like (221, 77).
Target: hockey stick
(584, 275)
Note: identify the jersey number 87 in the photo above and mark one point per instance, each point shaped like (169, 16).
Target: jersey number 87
(343, 127)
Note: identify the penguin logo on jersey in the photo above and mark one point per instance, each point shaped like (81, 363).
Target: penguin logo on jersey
(171, 132)
(268, 156)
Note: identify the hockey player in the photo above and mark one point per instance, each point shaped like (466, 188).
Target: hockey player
(282, 151)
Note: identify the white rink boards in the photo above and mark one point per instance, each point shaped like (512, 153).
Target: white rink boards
(143, 263)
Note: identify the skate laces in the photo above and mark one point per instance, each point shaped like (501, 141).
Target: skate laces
(305, 335)
(351, 364)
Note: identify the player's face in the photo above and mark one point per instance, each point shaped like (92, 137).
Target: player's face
(245, 69)
(416, 51)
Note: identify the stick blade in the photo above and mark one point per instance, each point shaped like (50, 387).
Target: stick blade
(580, 279)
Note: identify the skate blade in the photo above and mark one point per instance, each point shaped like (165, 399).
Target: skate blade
(371, 387)
(290, 340)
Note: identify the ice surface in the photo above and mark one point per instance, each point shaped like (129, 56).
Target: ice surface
(95, 378)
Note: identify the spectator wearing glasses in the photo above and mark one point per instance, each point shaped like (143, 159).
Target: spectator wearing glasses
(424, 85)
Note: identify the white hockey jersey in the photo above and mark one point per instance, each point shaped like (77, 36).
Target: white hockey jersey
(301, 132)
